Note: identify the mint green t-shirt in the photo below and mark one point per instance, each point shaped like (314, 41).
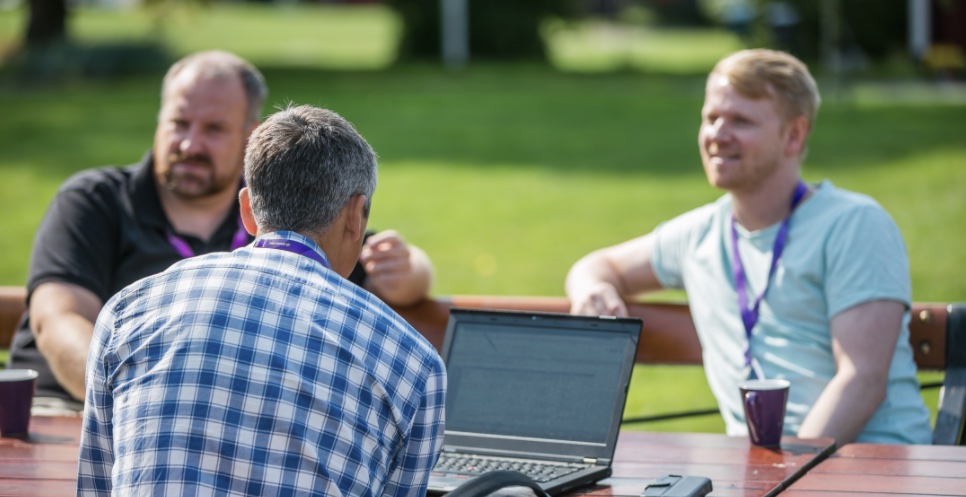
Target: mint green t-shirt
(842, 250)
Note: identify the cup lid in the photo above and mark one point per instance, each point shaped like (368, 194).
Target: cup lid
(18, 374)
(773, 384)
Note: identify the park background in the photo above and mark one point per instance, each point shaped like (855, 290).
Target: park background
(506, 170)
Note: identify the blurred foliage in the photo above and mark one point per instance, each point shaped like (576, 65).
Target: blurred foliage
(498, 29)
(867, 30)
(48, 51)
(65, 60)
(677, 12)
(872, 29)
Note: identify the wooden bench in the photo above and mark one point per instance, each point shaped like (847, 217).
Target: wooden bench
(937, 334)
(13, 302)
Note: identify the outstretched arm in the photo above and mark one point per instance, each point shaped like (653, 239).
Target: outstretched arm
(397, 272)
(600, 281)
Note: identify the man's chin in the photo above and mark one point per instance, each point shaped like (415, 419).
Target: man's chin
(189, 189)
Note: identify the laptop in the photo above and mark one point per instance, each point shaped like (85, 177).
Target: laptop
(538, 393)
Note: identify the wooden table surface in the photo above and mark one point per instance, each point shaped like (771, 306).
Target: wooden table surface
(735, 467)
(45, 462)
(869, 470)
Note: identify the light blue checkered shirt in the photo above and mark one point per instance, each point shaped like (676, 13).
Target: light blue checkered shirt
(258, 372)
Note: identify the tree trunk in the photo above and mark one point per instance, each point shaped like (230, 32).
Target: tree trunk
(47, 22)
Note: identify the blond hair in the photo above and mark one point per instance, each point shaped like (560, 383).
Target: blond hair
(762, 73)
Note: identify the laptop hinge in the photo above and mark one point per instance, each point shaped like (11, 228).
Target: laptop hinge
(525, 455)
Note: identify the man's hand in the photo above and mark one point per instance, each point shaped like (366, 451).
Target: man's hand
(601, 299)
(396, 272)
(597, 283)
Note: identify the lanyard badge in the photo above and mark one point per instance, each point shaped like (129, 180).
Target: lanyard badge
(749, 316)
(294, 247)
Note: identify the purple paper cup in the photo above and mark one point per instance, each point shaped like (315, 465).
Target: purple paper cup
(764, 402)
(16, 395)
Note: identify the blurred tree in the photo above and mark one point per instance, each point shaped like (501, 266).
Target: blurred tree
(498, 29)
(852, 29)
(46, 22)
(47, 53)
(678, 12)
(872, 28)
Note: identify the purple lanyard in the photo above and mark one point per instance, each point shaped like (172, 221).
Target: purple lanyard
(238, 240)
(294, 247)
(750, 316)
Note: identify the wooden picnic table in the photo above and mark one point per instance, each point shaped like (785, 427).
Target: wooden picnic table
(871, 470)
(44, 463)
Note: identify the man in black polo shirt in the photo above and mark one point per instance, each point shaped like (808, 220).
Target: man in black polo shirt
(107, 228)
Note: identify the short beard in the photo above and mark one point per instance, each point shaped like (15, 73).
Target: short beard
(171, 183)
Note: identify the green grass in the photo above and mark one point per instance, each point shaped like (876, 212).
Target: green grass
(505, 175)
(601, 46)
(336, 37)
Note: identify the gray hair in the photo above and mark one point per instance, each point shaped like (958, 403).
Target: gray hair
(216, 64)
(302, 165)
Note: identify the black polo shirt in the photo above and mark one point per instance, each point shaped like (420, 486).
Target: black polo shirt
(104, 230)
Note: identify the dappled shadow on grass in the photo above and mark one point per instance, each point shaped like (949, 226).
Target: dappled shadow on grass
(499, 115)
(54, 63)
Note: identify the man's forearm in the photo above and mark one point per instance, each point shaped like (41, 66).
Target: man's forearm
(64, 341)
(843, 408)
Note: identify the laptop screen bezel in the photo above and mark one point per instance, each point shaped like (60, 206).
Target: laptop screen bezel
(629, 327)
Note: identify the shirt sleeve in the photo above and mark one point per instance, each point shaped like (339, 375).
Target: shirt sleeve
(409, 474)
(673, 240)
(96, 460)
(77, 239)
(866, 260)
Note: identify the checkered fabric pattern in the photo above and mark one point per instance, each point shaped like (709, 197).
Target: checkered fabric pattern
(258, 372)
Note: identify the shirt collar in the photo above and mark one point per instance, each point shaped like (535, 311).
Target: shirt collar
(144, 194)
(291, 235)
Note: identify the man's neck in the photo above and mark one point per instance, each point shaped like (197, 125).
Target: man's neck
(198, 217)
(767, 204)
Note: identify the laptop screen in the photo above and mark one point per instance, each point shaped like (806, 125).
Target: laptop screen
(518, 379)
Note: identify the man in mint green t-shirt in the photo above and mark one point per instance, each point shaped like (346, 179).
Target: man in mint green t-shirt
(785, 279)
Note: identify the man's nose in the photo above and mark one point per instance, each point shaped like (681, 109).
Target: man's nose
(191, 142)
(718, 130)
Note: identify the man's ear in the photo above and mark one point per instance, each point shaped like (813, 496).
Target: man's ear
(797, 130)
(247, 216)
(356, 217)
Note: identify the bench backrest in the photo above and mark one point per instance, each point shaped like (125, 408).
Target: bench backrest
(668, 336)
(13, 302)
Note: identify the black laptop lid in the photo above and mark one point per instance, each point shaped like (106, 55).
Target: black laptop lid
(536, 383)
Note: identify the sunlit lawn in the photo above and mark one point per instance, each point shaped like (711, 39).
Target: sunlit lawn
(504, 174)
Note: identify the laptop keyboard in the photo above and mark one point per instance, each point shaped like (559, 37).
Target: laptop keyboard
(539, 471)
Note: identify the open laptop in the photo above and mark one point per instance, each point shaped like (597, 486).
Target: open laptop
(538, 393)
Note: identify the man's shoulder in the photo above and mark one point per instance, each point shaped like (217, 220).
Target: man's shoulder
(106, 178)
(833, 204)
(363, 310)
(390, 325)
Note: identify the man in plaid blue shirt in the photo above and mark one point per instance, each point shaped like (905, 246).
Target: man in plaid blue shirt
(263, 371)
